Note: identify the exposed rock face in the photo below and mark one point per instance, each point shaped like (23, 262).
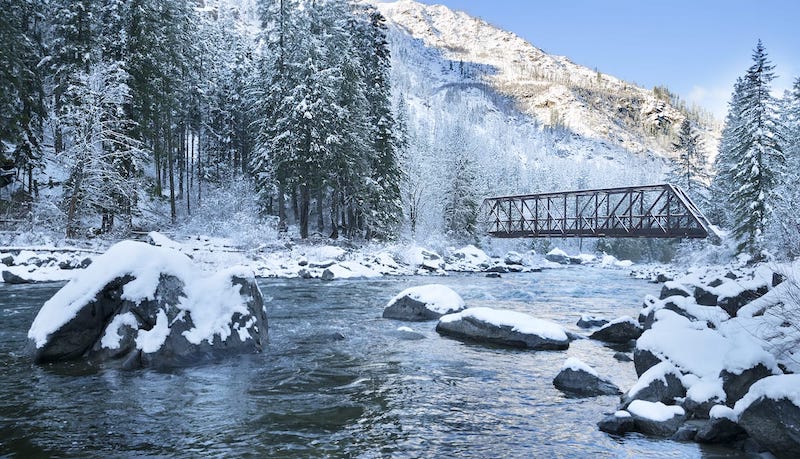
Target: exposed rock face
(617, 424)
(775, 424)
(719, 430)
(618, 331)
(672, 289)
(513, 258)
(704, 297)
(732, 304)
(470, 326)
(736, 385)
(12, 279)
(582, 383)
(643, 360)
(660, 383)
(151, 333)
(7, 260)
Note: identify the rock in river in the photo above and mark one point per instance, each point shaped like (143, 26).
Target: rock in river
(143, 305)
(425, 302)
(503, 327)
(578, 378)
(621, 330)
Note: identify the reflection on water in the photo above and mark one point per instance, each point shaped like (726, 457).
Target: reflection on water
(336, 380)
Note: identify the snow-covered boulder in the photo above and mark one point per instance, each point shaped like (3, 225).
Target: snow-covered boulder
(719, 429)
(736, 382)
(660, 383)
(503, 327)
(770, 414)
(656, 418)
(144, 305)
(7, 260)
(672, 288)
(469, 258)
(578, 378)
(620, 330)
(587, 321)
(558, 256)
(425, 302)
(513, 258)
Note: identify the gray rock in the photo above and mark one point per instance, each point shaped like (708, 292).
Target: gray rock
(583, 384)
(774, 424)
(591, 322)
(704, 297)
(699, 410)
(493, 275)
(407, 308)
(500, 269)
(617, 332)
(654, 428)
(557, 258)
(328, 275)
(777, 279)
(304, 273)
(719, 430)
(7, 260)
(12, 279)
(617, 425)
(81, 336)
(661, 278)
(322, 264)
(686, 432)
(470, 329)
(85, 263)
(737, 385)
(658, 390)
(731, 305)
(673, 290)
(643, 360)
(622, 357)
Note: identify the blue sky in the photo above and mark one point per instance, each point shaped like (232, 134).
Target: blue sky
(696, 48)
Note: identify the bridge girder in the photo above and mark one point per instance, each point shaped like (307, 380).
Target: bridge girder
(651, 211)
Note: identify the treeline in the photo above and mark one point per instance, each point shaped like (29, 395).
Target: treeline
(163, 99)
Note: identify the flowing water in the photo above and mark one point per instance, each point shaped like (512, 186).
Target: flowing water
(337, 380)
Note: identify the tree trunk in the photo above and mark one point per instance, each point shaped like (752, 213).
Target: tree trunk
(321, 211)
(305, 205)
(73, 200)
(334, 215)
(282, 225)
(170, 161)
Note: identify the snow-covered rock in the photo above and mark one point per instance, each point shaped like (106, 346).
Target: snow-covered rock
(578, 378)
(656, 418)
(618, 423)
(469, 258)
(150, 306)
(503, 327)
(661, 383)
(424, 302)
(14, 279)
(770, 413)
(588, 321)
(558, 256)
(621, 330)
(513, 258)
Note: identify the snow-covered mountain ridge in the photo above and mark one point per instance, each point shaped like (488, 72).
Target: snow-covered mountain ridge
(551, 89)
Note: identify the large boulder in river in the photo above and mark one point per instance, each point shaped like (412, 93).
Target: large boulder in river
(579, 379)
(661, 383)
(620, 331)
(655, 418)
(770, 414)
(425, 302)
(143, 305)
(12, 279)
(503, 327)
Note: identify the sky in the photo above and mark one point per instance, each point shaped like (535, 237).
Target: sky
(695, 48)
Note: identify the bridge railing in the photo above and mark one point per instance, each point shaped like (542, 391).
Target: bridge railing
(653, 211)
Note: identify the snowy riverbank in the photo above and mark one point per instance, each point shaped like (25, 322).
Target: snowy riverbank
(286, 259)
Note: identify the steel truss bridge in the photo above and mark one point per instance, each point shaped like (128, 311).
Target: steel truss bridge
(652, 211)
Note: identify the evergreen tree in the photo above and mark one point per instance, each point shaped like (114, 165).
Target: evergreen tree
(753, 158)
(689, 171)
(785, 234)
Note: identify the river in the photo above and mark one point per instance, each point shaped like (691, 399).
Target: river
(337, 380)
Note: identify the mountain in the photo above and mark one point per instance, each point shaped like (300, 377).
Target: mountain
(551, 90)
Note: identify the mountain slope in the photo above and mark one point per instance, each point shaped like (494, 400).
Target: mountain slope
(551, 89)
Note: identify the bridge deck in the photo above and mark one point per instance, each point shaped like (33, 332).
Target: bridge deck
(653, 211)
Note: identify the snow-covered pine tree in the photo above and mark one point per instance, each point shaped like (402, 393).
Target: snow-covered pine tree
(100, 155)
(689, 172)
(755, 158)
(785, 227)
(722, 185)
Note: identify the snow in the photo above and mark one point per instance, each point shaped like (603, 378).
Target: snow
(405, 329)
(436, 297)
(557, 252)
(773, 387)
(622, 414)
(150, 341)
(623, 319)
(655, 411)
(705, 389)
(723, 412)
(518, 321)
(210, 300)
(573, 363)
(111, 338)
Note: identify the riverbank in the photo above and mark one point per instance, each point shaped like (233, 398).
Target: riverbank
(287, 259)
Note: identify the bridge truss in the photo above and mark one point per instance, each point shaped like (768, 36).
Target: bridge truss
(653, 211)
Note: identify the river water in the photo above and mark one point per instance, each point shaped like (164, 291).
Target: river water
(337, 380)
